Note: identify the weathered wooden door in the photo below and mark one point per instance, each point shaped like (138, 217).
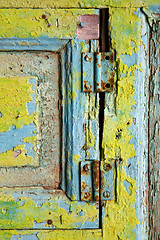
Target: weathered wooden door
(33, 122)
(73, 121)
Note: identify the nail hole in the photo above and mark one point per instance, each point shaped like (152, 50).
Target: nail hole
(107, 57)
(57, 23)
(48, 25)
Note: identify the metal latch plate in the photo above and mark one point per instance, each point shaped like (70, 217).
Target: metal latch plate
(91, 172)
(98, 71)
(107, 180)
(89, 180)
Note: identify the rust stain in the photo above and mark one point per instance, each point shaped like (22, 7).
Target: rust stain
(83, 186)
(87, 87)
(96, 180)
(85, 147)
(49, 222)
(107, 167)
(85, 170)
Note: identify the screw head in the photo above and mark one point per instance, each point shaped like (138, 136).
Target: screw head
(82, 24)
(88, 59)
(86, 167)
(106, 194)
(86, 195)
(107, 167)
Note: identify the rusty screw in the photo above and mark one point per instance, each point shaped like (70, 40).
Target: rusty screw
(106, 194)
(107, 167)
(86, 167)
(49, 222)
(86, 195)
(87, 58)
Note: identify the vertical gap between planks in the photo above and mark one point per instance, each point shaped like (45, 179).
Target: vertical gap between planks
(104, 47)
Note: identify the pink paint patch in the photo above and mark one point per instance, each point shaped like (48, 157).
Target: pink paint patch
(16, 153)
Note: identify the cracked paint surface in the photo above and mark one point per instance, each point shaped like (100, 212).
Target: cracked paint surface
(18, 121)
(119, 219)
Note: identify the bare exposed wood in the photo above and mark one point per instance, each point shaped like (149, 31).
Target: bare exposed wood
(88, 27)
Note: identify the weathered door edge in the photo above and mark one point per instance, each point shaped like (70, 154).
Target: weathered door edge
(35, 44)
(153, 17)
(154, 132)
(149, 192)
(141, 118)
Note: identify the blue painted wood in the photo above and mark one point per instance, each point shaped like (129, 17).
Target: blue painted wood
(88, 72)
(108, 179)
(77, 119)
(80, 127)
(39, 44)
(97, 83)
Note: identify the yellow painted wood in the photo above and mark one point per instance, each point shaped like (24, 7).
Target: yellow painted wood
(120, 219)
(75, 3)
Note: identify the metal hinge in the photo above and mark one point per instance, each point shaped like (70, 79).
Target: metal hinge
(98, 71)
(97, 180)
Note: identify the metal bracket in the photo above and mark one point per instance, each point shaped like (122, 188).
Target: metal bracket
(88, 27)
(98, 71)
(107, 180)
(89, 180)
(91, 173)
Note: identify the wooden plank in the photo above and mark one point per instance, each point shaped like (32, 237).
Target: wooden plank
(83, 131)
(36, 44)
(154, 132)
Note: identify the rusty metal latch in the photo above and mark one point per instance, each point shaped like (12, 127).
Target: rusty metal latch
(97, 180)
(98, 71)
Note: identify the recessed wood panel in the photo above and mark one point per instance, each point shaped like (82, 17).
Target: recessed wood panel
(30, 119)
